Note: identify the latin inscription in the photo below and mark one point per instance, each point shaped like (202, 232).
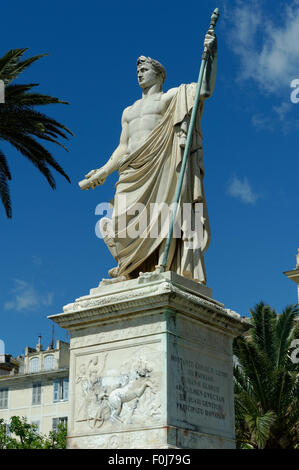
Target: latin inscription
(200, 389)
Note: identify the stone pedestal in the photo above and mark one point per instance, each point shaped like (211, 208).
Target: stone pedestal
(151, 366)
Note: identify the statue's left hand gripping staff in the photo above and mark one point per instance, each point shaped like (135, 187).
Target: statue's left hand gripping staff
(205, 57)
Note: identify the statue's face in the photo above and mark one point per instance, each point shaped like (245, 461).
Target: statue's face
(146, 75)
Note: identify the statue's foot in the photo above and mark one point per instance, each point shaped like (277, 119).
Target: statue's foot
(113, 272)
(106, 282)
(152, 275)
(115, 278)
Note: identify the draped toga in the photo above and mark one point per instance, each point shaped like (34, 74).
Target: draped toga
(149, 175)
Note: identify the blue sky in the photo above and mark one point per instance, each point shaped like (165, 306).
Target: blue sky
(50, 253)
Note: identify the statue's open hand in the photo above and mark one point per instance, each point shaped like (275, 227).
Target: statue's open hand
(210, 41)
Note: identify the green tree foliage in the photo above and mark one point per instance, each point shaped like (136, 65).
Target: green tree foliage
(19, 434)
(22, 125)
(267, 381)
(56, 439)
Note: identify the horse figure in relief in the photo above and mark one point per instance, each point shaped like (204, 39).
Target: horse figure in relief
(133, 388)
(139, 380)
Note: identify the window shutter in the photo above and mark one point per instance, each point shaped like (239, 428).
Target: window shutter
(56, 390)
(36, 394)
(33, 394)
(4, 398)
(65, 388)
(39, 393)
(63, 420)
(55, 422)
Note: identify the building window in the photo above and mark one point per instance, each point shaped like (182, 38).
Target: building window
(61, 389)
(57, 421)
(3, 398)
(37, 424)
(7, 429)
(34, 364)
(36, 394)
(49, 362)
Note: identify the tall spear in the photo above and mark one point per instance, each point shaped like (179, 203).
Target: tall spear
(205, 57)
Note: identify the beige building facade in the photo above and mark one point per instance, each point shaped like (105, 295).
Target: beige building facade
(36, 386)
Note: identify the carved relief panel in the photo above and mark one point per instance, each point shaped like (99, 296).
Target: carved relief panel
(118, 389)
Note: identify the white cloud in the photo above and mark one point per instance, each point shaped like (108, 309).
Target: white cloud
(267, 122)
(269, 53)
(282, 109)
(26, 297)
(262, 122)
(242, 190)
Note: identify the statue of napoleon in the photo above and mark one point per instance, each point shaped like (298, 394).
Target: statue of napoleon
(148, 161)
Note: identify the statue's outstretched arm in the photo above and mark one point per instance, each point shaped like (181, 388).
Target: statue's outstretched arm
(120, 151)
(98, 177)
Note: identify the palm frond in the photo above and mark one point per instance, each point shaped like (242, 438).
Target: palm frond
(267, 394)
(25, 117)
(284, 383)
(260, 427)
(38, 163)
(263, 333)
(284, 329)
(37, 154)
(8, 63)
(256, 366)
(4, 189)
(11, 66)
(242, 382)
(19, 95)
(23, 126)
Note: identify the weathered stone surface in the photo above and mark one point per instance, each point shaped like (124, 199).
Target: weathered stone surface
(151, 366)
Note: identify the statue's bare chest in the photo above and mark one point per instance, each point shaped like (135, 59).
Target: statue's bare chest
(150, 107)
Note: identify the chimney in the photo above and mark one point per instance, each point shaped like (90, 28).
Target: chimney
(39, 344)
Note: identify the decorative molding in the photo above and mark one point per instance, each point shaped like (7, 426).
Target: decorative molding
(143, 300)
(135, 327)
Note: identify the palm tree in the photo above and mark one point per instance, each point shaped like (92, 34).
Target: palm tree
(267, 381)
(21, 124)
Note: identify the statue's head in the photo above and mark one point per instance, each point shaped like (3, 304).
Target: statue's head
(149, 72)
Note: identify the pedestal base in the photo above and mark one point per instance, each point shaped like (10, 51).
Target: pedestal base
(151, 366)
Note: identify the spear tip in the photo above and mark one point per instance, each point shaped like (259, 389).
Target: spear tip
(214, 18)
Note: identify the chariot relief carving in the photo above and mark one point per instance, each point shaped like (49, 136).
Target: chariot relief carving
(106, 395)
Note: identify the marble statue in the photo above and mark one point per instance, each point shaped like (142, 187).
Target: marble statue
(148, 161)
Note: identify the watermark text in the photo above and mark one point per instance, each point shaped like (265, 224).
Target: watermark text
(295, 93)
(295, 353)
(131, 221)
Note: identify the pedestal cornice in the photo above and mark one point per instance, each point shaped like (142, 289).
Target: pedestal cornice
(147, 294)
